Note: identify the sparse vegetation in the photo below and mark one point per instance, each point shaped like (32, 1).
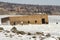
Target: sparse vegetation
(39, 33)
(29, 33)
(27, 9)
(1, 29)
(21, 32)
(5, 34)
(34, 37)
(48, 35)
(56, 22)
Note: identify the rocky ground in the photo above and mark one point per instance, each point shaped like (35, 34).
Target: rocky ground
(21, 35)
(15, 34)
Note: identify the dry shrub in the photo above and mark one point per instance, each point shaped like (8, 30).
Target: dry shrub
(40, 33)
(14, 30)
(5, 34)
(56, 22)
(1, 29)
(21, 32)
(29, 33)
(48, 35)
(34, 37)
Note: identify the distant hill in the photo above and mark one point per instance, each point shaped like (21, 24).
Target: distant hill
(23, 9)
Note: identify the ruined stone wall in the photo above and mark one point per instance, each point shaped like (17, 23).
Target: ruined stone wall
(28, 19)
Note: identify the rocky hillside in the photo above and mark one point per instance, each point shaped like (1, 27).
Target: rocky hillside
(23, 9)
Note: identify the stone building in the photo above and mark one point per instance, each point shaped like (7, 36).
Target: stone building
(26, 19)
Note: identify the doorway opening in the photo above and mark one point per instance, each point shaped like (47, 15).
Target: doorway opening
(28, 22)
(43, 21)
(14, 23)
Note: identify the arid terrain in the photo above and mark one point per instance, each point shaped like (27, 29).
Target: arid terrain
(50, 31)
(23, 9)
(30, 32)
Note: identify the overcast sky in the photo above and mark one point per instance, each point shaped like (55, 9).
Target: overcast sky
(39, 2)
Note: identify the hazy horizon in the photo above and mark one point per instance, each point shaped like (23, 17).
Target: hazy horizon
(35, 2)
